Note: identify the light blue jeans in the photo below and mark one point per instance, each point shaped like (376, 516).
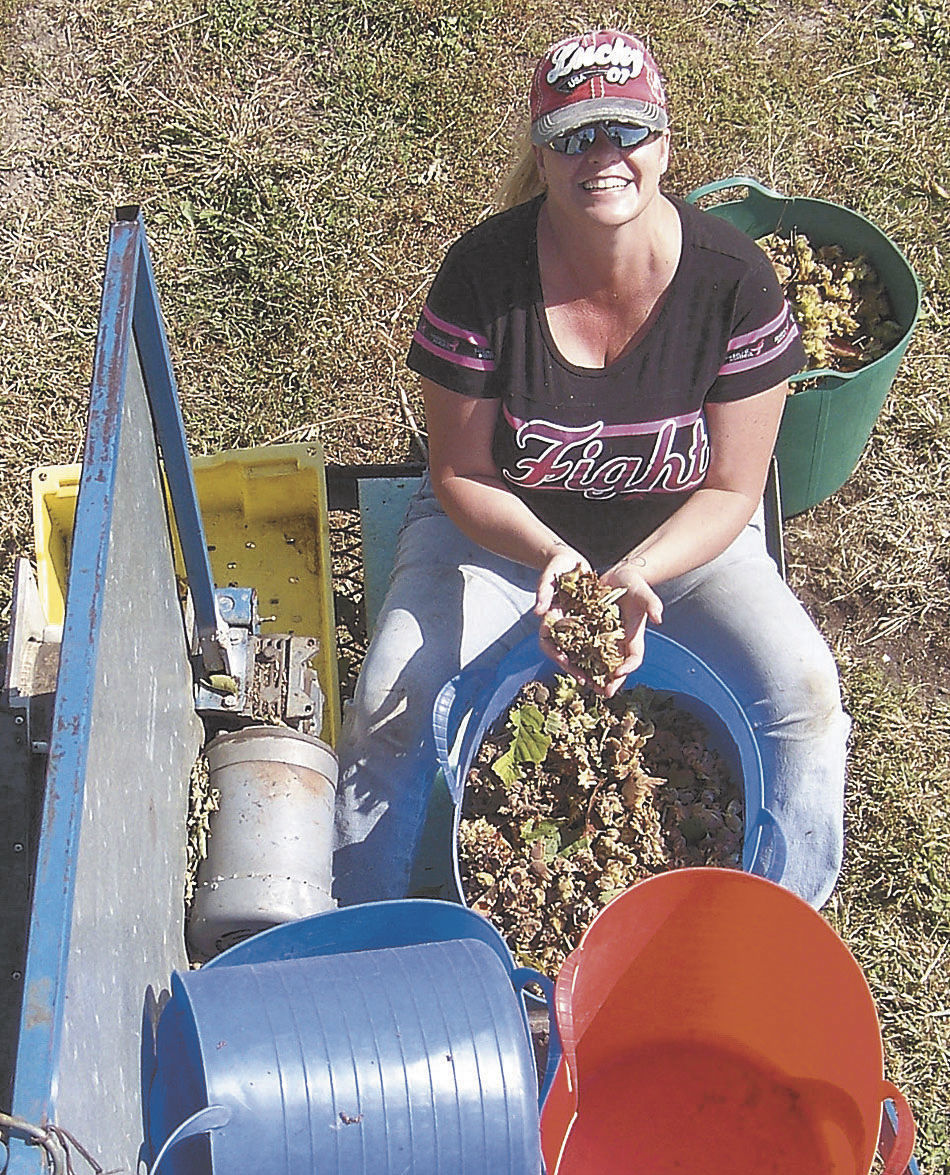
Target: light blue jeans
(451, 605)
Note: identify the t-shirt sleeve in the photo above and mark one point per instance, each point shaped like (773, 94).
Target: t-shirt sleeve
(764, 346)
(451, 343)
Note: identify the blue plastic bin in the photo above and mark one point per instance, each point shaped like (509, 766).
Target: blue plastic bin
(468, 706)
(388, 1038)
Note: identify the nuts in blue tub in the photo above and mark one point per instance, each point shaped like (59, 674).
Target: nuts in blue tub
(572, 798)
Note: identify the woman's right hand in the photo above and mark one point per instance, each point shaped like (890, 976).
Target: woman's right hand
(561, 558)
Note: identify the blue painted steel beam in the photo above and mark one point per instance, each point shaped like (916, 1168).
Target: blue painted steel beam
(170, 430)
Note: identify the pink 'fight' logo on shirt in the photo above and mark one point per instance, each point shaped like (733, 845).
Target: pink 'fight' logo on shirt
(573, 458)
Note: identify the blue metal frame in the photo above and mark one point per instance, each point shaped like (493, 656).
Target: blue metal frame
(170, 431)
(129, 316)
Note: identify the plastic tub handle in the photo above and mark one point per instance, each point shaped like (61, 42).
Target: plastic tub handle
(902, 1148)
(203, 1121)
(520, 978)
(733, 181)
(450, 713)
(770, 845)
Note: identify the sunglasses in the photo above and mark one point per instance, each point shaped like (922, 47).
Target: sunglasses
(623, 136)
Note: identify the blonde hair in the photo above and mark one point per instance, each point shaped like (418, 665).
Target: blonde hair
(523, 181)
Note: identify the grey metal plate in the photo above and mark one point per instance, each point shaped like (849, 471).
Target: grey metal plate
(116, 865)
(383, 503)
(127, 933)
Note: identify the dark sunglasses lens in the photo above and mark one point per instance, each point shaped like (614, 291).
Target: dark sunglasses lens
(624, 136)
(576, 142)
(620, 134)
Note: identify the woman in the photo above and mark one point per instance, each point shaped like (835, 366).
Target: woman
(604, 369)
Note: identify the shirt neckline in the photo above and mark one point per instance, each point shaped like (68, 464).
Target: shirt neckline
(628, 355)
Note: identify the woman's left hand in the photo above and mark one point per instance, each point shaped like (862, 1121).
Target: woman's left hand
(638, 604)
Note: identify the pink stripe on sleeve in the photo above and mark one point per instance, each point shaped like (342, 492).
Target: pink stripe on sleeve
(458, 331)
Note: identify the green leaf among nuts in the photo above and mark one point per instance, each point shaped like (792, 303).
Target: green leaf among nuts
(838, 300)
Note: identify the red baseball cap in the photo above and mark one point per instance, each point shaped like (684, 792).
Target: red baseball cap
(594, 76)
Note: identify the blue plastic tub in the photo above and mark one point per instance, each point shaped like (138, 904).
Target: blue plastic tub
(468, 706)
(381, 1039)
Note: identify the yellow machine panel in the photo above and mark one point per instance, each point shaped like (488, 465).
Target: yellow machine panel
(265, 518)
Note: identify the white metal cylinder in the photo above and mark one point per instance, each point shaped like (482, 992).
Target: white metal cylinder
(270, 848)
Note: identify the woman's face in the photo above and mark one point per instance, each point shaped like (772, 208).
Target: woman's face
(605, 183)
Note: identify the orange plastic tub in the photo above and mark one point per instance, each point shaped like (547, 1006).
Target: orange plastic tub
(713, 1022)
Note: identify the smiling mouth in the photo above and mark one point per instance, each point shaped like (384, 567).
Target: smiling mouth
(606, 184)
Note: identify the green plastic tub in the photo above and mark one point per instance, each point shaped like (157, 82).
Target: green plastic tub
(826, 426)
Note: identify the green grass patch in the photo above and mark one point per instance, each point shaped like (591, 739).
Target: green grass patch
(302, 166)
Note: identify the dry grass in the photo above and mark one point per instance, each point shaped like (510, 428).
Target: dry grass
(302, 165)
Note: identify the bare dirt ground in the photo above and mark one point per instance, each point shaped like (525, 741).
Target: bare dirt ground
(851, 619)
